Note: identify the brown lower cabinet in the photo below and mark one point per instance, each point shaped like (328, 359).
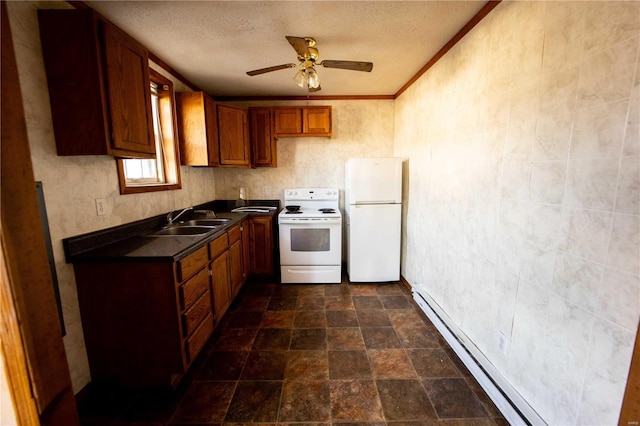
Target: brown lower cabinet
(261, 246)
(237, 276)
(145, 322)
(219, 253)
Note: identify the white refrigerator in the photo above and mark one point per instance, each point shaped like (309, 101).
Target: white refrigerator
(373, 207)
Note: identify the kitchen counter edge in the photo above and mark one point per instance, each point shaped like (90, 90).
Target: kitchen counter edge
(129, 242)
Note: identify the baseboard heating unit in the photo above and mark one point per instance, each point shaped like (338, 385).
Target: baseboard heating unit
(512, 406)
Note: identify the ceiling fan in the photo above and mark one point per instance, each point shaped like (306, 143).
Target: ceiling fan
(308, 59)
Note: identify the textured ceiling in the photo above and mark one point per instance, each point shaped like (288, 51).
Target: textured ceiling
(214, 43)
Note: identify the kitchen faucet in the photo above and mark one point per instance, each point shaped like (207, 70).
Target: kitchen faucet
(171, 219)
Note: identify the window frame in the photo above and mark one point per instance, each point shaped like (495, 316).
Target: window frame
(167, 111)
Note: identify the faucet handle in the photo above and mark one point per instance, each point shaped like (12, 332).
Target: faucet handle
(207, 214)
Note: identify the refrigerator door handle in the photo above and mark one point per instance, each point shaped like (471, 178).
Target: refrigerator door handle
(368, 203)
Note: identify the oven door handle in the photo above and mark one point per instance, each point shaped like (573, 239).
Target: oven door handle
(310, 221)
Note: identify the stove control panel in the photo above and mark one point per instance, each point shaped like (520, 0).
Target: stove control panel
(311, 194)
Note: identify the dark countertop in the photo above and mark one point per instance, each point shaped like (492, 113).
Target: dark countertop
(130, 242)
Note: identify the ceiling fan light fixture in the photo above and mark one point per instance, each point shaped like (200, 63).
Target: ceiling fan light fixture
(308, 76)
(308, 58)
(313, 81)
(300, 78)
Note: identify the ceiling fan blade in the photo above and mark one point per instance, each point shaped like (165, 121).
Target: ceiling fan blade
(311, 89)
(269, 69)
(300, 45)
(348, 65)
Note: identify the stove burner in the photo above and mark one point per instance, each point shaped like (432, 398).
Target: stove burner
(327, 210)
(293, 212)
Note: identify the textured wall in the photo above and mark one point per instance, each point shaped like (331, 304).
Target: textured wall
(71, 184)
(524, 198)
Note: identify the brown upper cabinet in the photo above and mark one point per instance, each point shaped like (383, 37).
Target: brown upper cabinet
(233, 136)
(99, 89)
(197, 129)
(316, 121)
(263, 141)
(302, 121)
(288, 121)
(211, 134)
(269, 123)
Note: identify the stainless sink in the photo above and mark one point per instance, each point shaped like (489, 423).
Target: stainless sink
(205, 222)
(182, 230)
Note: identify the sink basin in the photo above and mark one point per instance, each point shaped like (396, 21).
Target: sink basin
(205, 222)
(182, 230)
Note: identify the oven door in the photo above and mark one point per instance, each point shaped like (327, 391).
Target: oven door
(311, 241)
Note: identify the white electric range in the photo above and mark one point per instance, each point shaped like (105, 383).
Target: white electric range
(310, 233)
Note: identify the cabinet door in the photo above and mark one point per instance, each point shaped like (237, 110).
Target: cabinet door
(261, 245)
(244, 228)
(129, 93)
(235, 259)
(263, 143)
(288, 121)
(233, 136)
(198, 129)
(211, 123)
(235, 267)
(316, 121)
(221, 292)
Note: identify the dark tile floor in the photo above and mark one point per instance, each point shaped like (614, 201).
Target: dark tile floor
(335, 353)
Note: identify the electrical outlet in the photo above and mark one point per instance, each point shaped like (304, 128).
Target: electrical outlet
(265, 190)
(101, 206)
(502, 343)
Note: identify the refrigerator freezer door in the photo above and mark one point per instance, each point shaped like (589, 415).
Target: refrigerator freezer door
(373, 180)
(374, 243)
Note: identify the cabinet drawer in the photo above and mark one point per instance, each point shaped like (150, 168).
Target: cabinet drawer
(234, 234)
(196, 313)
(219, 245)
(193, 288)
(190, 264)
(199, 338)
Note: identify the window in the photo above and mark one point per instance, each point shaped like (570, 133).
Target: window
(163, 172)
